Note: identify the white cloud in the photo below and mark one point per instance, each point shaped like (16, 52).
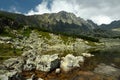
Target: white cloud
(94, 9)
(102, 19)
(13, 9)
(40, 9)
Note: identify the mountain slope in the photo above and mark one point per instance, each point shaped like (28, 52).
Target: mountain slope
(63, 22)
(112, 29)
(112, 25)
(58, 23)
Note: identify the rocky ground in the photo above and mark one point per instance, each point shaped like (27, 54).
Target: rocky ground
(31, 66)
(50, 57)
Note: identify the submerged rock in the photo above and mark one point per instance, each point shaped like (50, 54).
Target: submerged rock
(69, 62)
(107, 70)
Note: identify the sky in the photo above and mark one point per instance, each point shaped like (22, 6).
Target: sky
(99, 11)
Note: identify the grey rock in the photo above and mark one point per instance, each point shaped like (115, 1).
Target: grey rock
(2, 66)
(32, 77)
(87, 55)
(29, 54)
(3, 77)
(29, 67)
(3, 71)
(47, 62)
(14, 63)
(69, 62)
(57, 71)
(12, 75)
(30, 64)
(30, 57)
(40, 79)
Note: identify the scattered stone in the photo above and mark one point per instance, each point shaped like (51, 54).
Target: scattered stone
(40, 79)
(87, 55)
(57, 71)
(33, 77)
(69, 62)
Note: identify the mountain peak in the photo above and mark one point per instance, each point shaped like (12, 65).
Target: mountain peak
(66, 14)
(63, 12)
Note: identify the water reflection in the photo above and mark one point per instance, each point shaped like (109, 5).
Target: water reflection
(110, 56)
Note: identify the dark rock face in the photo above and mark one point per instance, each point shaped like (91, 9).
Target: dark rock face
(17, 76)
(112, 25)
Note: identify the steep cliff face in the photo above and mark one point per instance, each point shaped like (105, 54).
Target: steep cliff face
(63, 22)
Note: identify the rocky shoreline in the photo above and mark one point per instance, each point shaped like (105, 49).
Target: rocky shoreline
(33, 66)
(45, 59)
(46, 63)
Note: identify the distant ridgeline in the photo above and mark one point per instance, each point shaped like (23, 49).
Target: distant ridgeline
(58, 23)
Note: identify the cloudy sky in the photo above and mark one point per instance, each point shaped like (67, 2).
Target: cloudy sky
(100, 11)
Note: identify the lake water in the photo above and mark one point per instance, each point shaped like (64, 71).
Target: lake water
(109, 56)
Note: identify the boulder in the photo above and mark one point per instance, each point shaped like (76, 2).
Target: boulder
(12, 75)
(69, 62)
(30, 64)
(47, 62)
(29, 54)
(14, 63)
